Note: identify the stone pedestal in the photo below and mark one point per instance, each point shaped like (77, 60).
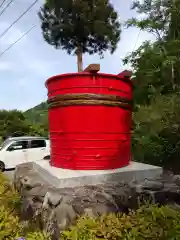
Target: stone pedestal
(56, 197)
(61, 178)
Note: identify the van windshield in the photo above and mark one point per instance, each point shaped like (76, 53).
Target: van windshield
(5, 143)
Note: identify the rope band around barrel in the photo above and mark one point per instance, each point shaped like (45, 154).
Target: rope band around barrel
(89, 99)
(89, 96)
(90, 103)
(65, 100)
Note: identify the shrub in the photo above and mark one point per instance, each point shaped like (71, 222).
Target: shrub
(149, 222)
(9, 224)
(9, 198)
(37, 236)
(156, 138)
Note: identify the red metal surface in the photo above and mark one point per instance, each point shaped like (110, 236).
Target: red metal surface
(90, 83)
(90, 137)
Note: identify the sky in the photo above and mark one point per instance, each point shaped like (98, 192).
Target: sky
(26, 66)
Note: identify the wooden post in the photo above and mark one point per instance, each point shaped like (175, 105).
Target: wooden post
(125, 74)
(92, 68)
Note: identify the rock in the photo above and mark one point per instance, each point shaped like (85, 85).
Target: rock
(29, 182)
(174, 206)
(136, 188)
(89, 212)
(176, 179)
(164, 197)
(52, 199)
(101, 209)
(20, 172)
(49, 224)
(37, 192)
(58, 219)
(65, 215)
(27, 209)
(57, 209)
(152, 185)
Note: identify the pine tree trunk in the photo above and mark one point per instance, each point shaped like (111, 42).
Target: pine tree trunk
(79, 60)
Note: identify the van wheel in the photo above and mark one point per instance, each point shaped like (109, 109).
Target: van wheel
(2, 166)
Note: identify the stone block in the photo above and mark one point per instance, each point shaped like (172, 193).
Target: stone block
(61, 178)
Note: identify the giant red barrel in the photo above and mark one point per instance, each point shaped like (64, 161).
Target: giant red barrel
(90, 120)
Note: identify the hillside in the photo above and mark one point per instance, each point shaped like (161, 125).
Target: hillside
(37, 114)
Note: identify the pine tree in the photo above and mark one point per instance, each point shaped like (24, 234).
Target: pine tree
(80, 26)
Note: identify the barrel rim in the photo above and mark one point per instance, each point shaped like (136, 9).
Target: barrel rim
(115, 77)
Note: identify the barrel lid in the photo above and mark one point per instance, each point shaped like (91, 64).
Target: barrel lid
(123, 76)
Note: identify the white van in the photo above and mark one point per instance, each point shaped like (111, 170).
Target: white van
(18, 150)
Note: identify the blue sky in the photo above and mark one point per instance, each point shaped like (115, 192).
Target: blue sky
(25, 68)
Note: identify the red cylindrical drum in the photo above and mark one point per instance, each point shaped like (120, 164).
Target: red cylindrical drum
(90, 121)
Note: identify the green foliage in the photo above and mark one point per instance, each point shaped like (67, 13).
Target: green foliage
(156, 65)
(37, 113)
(16, 123)
(10, 225)
(156, 138)
(155, 17)
(11, 122)
(9, 198)
(83, 26)
(157, 84)
(10, 228)
(148, 222)
(37, 236)
(92, 26)
(38, 118)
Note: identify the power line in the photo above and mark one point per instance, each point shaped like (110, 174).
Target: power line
(3, 33)
(17, 41)
(2, 3)
(6, 7)
(137, 40)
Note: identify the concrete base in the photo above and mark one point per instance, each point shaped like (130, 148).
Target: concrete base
(61, 178)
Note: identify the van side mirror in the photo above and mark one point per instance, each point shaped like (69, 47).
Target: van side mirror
(10, 149)
(13, 148)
